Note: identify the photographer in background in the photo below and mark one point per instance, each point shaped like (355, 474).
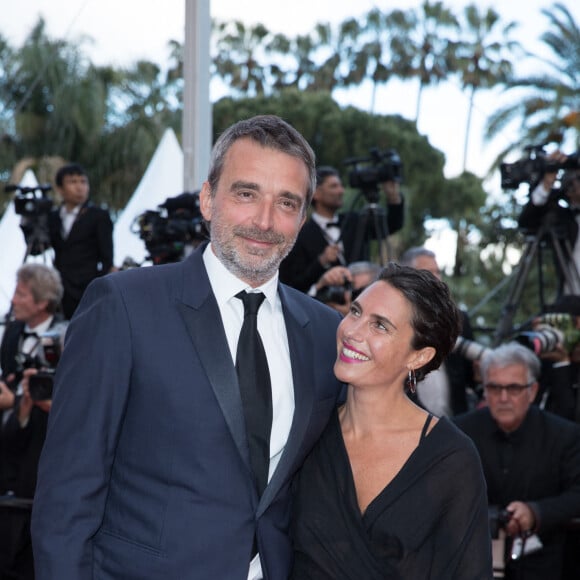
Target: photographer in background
(563, 219)
(328, 238)
(558, 346)
(35, 303)
(81, 235)
(340, 285)
(531, 462)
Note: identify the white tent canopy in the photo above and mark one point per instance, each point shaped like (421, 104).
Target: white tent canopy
(163, 178)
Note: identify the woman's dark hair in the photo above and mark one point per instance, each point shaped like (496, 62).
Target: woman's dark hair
(436, 320)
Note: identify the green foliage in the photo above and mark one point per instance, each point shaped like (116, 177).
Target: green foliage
(56, 106)
(337, 134)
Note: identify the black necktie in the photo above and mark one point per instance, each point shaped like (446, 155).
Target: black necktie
(255, 388)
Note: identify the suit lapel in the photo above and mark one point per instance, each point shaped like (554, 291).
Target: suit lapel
(201, 315)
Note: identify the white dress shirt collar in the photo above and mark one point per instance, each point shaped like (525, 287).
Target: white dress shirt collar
(226, 285)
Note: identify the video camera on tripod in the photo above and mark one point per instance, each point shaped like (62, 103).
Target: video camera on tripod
(33, 205)
(533, 166)
(369, 172)
(170, 229)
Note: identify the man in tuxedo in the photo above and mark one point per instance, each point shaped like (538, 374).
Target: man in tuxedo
(81, 236)
(35, 303)
(330, 238)
(149, 468)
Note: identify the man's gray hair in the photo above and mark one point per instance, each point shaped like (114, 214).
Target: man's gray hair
(511, 353)
(268, 131)
(409, 256)
(44, 284)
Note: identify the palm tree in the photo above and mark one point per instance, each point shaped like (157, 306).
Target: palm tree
(56, 100)
(548, 103)
(421, 44)
(58, 107)
(366, 55)
(483, 56)
(240, 56)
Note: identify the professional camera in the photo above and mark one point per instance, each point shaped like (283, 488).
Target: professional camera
(33, 205)
(369, 172)
(543, 338)
(469, 349)
(565, 323)
(168, 231)
(498, 518)
(533, 166)
(334, 294)
(40, 384)
(30, 201)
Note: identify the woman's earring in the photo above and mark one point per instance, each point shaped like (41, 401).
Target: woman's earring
(412, 382)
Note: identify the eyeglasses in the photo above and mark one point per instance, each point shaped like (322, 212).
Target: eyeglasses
(513, 389)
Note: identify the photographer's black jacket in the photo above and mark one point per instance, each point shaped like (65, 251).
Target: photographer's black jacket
(539, 464)
(87, 251)
(301, 269)
(562, 220)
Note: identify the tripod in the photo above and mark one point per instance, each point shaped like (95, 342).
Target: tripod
(371, 225)
(36, 235)
(570, 279)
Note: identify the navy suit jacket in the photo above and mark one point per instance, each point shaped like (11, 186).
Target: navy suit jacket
(145, 473)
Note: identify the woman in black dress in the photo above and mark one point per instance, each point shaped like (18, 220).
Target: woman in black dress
(391, 491)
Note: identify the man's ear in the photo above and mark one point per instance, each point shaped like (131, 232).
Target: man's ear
(205, 201)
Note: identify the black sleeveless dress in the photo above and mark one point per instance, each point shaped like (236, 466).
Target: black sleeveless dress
(429, 522)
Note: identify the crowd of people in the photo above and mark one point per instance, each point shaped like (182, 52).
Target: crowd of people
(279, 403)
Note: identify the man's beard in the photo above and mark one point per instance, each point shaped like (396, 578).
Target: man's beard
(253, 265)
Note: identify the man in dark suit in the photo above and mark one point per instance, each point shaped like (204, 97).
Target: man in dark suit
(531, 462)
(81, 235)
(35, 303)
(329, 238)
(146, 472)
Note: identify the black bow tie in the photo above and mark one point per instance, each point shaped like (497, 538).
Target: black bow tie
(332, 225)
(26, 335)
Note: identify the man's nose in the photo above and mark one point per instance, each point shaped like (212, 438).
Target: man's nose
(264, 217)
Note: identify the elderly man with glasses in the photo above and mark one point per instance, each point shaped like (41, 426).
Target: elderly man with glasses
(531, 461)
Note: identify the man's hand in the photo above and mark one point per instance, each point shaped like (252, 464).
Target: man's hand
(336, 276)
(26, 402)
(549, 178)
(523, 519)
(6, 396)
(329, 256)
(392, 190)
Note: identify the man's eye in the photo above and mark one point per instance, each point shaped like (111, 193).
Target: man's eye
(289, 204)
